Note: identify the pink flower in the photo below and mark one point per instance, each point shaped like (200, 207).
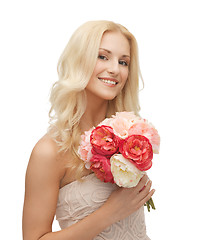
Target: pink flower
(121, 123)
(138, 150)
(143, 127)
(101, 166)
(85, 147)
(104, 141)
(130, 116)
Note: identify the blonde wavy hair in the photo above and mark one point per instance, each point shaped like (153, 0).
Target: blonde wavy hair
(68, 98)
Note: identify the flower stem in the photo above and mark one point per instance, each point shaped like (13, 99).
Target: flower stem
(149, 204)
(152, 203)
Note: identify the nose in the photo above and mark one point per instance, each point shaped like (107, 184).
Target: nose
(113, 67)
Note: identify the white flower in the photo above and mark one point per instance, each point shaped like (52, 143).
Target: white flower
(124, 172)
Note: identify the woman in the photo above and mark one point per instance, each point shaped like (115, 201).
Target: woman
(98, 76)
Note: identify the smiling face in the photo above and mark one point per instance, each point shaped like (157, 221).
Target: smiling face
(112, 67)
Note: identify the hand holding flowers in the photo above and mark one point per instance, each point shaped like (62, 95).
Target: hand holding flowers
(120, 149)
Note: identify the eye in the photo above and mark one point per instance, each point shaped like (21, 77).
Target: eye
(124, 63)
(102, 57)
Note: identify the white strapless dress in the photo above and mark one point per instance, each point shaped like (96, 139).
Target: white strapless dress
(80, 198)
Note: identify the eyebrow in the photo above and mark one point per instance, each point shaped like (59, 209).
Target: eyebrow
(111, 52)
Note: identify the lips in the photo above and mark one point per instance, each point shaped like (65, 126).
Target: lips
(109, 80)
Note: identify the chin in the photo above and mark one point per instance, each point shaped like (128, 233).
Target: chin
(108, 97)
(102, 94)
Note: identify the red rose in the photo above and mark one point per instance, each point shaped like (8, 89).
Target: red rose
(104, 141)
(138, 150)
(101, 166)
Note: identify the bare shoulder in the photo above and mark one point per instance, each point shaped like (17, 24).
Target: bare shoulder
(43, 177)
(46, 147)
(45, 160)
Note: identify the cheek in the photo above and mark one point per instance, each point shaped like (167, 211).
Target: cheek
(98, 68)
(124, 75)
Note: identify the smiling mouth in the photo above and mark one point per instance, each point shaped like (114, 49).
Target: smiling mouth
(109, 81)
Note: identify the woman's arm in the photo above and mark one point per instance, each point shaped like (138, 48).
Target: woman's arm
(43, 177)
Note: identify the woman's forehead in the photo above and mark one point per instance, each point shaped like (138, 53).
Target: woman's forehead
(115, 42)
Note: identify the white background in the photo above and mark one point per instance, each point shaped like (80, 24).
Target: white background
(173, 56)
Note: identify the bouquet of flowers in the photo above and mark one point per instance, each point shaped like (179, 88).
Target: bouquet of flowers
(120, 149)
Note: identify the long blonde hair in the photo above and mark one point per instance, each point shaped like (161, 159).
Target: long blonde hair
(75, 67)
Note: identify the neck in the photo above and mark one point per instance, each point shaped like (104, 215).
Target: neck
(95, 113)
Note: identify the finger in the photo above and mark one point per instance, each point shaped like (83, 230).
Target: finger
(146, 198)
(145, 185)
(142, 183)
(145, 190)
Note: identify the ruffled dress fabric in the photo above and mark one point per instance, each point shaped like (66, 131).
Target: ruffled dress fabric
(80, 198)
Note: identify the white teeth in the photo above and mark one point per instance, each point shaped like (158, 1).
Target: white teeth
(107, 81)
